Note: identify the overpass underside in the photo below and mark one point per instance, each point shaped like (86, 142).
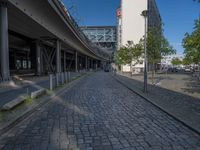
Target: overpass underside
(33, 42)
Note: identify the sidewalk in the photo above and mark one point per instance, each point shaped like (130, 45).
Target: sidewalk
(28, 85)
(183, 107)
(9, 119)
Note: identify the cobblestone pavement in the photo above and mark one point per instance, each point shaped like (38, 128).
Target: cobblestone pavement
(6, 96)
(99, 113)
(184, 107)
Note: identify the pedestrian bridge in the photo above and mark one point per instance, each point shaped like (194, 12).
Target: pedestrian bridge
(40, 36)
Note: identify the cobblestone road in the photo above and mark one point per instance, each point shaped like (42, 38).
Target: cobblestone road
(99, 113)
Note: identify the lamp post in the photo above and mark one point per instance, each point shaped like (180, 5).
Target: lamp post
(145, 15)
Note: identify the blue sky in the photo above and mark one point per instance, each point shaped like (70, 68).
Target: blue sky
(178, 15)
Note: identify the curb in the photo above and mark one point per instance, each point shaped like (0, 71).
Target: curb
(157, 106)
(47, 99)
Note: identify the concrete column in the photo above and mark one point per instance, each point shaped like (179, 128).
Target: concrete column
(58, 56)
(38, 59)
(86, 62)
(76, 61)
(4, 48)
(92, 63)
(64, 57)
(96, 65)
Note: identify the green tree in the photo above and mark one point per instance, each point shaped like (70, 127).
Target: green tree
(157, 47)
(128, 53)
(176, 61)
(191, 43)
(186, 61)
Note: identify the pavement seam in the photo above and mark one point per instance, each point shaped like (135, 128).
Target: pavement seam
(157, 106)
(47, 100)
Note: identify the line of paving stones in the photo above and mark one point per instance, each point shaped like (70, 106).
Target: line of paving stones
(185, 108)
(99, 113)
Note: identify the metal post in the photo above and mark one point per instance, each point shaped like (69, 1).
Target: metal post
(144, 13)
(51, 82)
(4, 48)
(58, 54)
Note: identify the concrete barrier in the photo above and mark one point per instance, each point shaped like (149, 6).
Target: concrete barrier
(38, 93)
(10, 105)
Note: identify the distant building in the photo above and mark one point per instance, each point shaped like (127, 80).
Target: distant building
(166, 61)
(103, 36)
(130, 25)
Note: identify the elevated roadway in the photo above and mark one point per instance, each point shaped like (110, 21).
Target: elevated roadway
(40, 35)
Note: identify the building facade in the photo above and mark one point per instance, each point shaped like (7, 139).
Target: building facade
(166, 61)
(131, 25)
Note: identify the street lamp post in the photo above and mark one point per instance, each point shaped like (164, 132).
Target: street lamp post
(145, 15)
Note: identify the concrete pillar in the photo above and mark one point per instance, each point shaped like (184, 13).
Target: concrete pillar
(38, 59)
(64, 57)
(4, 48)
(96, 64)
(92, 63)
(76, 61)
(58, 56)
(86, 62)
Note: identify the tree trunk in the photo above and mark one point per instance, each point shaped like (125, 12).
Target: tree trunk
(131, 68)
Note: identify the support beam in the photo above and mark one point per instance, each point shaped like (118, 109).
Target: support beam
(58, 56)
(4, 48)
(76, 61)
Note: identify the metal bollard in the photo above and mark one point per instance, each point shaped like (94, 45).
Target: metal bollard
(50, 82)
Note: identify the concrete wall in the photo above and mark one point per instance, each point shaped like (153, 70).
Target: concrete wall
(132, 21)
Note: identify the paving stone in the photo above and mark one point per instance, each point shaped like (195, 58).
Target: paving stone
(98, 113)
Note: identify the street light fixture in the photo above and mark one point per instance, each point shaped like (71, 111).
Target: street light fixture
(145, 15)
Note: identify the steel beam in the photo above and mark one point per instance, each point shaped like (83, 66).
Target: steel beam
(4, 48)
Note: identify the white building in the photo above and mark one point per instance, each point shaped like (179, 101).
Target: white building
(131, 25)
(166, 61)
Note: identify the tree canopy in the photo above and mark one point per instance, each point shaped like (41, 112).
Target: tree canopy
(176, 61)
(191, 43)
(128, 53)
(157, 46)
